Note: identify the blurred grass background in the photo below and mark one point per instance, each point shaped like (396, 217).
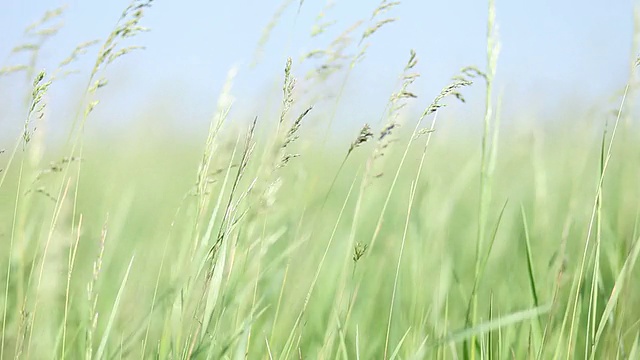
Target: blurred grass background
(508, 239)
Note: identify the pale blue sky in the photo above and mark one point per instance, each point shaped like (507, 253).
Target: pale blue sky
(551, 50)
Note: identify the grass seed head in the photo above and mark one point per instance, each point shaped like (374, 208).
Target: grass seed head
(364, 136)
(40, 88)
(397, 101)
(449, 90)
(359, 249)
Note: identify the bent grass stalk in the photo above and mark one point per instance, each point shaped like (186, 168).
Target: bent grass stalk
(294, 330)
(412, 194)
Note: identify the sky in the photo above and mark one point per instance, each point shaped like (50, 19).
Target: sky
(551, 52)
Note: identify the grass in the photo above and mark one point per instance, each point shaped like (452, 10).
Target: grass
(408, 241)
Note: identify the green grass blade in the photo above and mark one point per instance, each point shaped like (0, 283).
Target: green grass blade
(396, 351)
(527, 239)
(496, 324)
(615, 293)
(114, 311)
(214, 292)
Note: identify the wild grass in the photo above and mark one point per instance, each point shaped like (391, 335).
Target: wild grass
(408, 241)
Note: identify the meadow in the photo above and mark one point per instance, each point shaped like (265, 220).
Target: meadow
(409, 239)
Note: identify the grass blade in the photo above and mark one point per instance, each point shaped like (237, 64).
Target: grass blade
(511, 319)
(114, 311)
(615, 293)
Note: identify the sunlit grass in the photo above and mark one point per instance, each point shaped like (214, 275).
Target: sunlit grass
(407, 241)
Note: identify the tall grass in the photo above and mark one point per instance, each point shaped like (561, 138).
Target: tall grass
(407, 241)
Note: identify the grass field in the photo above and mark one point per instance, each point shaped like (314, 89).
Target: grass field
(409, 240)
